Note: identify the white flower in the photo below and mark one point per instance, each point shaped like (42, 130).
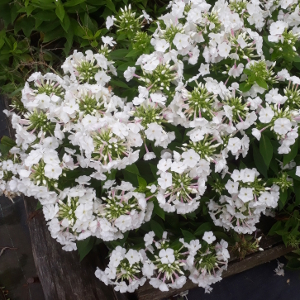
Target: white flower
(256, 133)
(209, 237)
(108, 40)
(190, 158)
(278, 27)
(232, 187)
(236, 71)
(147, 17)
(267, 199)
(204, 69)
(102, 78)
(149, 156)
(149, 238)
(298, 171)
(165, 180)
(158, 98)
(110, 21)
(133, 256)
(224, 49)
(234, 145)
(52, 171)
(266, 114)
(154, 131)
(246, 194)
(123, 223)
(282, 126)
(167, 256)
(181, 41)
(129, 73)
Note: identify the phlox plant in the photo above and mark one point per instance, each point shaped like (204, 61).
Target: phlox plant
(166, 156)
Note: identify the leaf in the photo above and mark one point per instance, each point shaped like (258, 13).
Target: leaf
(277, 226)
(7, 141)
(66, 23)
(60, 11)
(130, 177)
(45, 15)
(117, 54)
(94, 43)
(119, 83)
(296, 58)
(266, 149)
(157, 228)
(293, 263)
(202, 228)
(111, 6)
(73, 3)
(25, 24)
(85, 246)
(133, 169)
(261, 83)
(259, 161)
(247, 72)
(282, 199)
(134, 53)
(4, 149)
(142, 182)
(188, 236)
(158, 210)
(292, 154)
(244, 87)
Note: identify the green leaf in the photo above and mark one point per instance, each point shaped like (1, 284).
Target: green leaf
(73, 3)
(60, 11)
(292, 154)
(247, 72)
(26, 24)
(133, 169)
(111, 6)
(66, 23)
(4, 149)
(277, 226)
(117, 54)
(293, 263)
(88, 22)
(202, 228)
(142, 182)
(153, 170)
(282, 199)
(244, 87)
(130, 177)
(266, 149)
(261, 83)
(85, 246)
(259, 161)
(157, 228)
(134, 53)
(296, 58)
(94, 43)
(119, 83)
(45, 16)
(158, 210)
(7, 141)
(53, 35)
(38, 205)
(188, 236)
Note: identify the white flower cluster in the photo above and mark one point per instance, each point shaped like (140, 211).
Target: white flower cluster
(166, 267)
(248, 199)
(181, 181)
(201, 95)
